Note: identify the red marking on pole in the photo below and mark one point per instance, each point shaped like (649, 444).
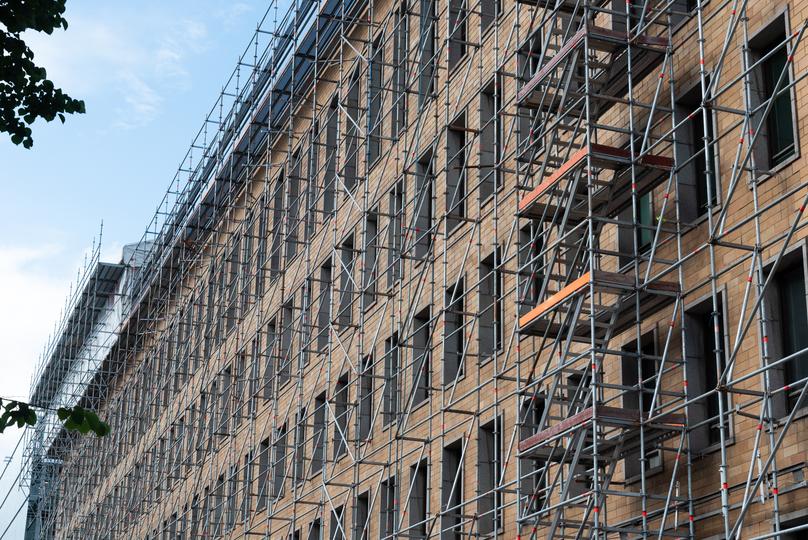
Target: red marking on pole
(759, 427)
(765, 339)
(775, 491)
(644, 514)
(596, 509)
(749, 279)
(725, 486)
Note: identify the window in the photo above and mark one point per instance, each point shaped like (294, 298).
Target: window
(458, 31)
(491, 139)
(277, 227)
(285, 353)
(349, 172)
(530, 266)
(323, 313)
(640, 372)
(794, 520)
(640, 229)
(456, 174)
(489, 11)
(365, 397)
(426, 51)
(369, 271)
(529, 62)
(398, 113)
(300, 446)
(419, 504)
(311, 220)
(218, 506)
(389, 511)
(261, 250)
(375, 87)
(263, 474)
(534, 482)
(293, 207)
(200, 427)
(329, 185)
(424, 215)
(314, 530)
(232, 497)
(279, 462)
(308, 321)
(391, 379)
(318, 451)
(421, 349)
(347, 288)
(361, 514)
(703, 368)
(452, 492)
(341, 416)
(453, 327)
(395, 233)
(787, 319)
(270, 356)
(247, 492)
(489, 467)
(699, 174)
(492, 308)
(233, 264)
(225, 380)
(337, 523)
(240, 388)
(775, 143)
(579, 397)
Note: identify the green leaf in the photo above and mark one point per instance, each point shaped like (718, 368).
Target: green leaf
(103, 430)
(63, 413)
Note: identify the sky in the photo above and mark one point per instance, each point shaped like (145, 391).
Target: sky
(148, 71)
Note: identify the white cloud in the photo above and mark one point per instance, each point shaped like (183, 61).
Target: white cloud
(141, 100)
(233, 12)
(33, 293)
(131, 60)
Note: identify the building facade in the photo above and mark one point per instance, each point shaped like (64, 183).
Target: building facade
(464, 269)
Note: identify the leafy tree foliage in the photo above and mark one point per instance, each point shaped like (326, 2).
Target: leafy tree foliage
(25, 91)
(78, 418)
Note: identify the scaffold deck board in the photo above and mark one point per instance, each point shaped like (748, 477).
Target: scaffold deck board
(626, 422)
(653, 297)
(609, 199)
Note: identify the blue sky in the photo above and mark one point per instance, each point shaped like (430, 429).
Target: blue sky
(149, 71)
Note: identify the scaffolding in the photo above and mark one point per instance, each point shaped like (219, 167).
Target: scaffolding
(471, 268)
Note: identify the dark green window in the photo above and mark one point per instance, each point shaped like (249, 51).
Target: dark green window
(645, 221)
(794, 320)
(780, 123)
(706, 165)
